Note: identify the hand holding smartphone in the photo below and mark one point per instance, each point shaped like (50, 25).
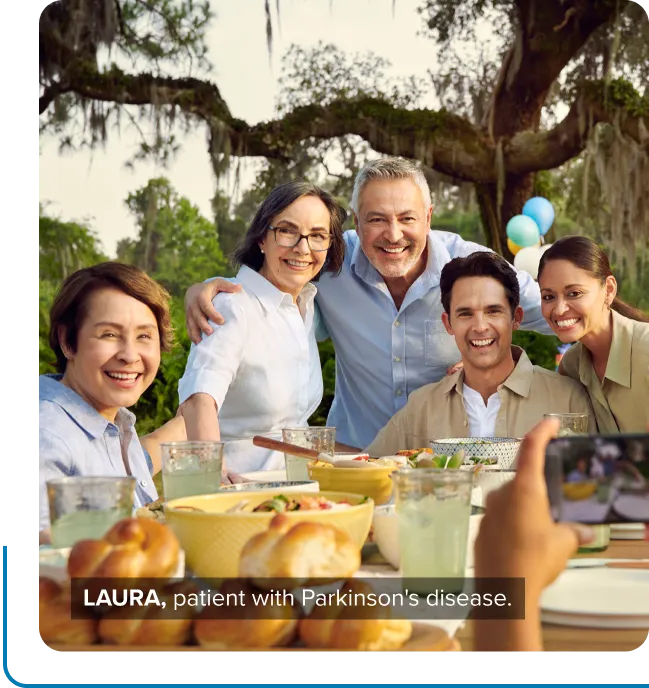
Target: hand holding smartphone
(599, 478)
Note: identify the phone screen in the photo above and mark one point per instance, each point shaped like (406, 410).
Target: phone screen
(599, 478)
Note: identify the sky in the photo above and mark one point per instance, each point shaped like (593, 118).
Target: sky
(92, 186)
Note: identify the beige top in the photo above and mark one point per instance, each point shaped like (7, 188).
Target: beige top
(621, 401)
(437, 410)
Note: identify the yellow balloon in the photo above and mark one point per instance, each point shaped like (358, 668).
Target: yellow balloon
(514, 248)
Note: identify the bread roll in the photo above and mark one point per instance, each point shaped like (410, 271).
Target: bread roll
(132, 548)
(340, 628)
(150, 625)
(56, 624)
(260, 627)
(298, 553)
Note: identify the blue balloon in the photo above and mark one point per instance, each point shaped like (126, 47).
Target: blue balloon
(541, 211)
(523, 231)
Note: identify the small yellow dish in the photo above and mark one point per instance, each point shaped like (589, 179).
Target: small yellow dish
(371, 482)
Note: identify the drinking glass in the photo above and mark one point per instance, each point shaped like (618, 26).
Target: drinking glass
(322, 439)
(191, 468)
(433, 506)
(571, 423)
(83, 508)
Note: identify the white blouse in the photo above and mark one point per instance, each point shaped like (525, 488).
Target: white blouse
(261, 367)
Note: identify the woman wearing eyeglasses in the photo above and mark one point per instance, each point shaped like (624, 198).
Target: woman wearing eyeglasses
(260, 370)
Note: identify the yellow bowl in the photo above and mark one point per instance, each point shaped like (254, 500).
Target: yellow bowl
(371, 482)
(213, 540)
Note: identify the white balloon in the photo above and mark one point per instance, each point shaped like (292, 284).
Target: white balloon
(545, 247)
(527, 259)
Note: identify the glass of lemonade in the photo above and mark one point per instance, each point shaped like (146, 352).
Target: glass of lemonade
(322, 439)
(191, 468)
(433, 506)
(83, 508)
(571, 423)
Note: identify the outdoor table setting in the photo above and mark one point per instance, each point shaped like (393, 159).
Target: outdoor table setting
(397, 521)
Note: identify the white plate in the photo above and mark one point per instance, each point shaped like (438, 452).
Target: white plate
(633, 507)
(598, 598)
(264, 476)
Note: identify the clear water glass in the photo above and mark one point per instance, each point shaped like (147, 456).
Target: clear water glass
(571, 423)
(321, 439)
(433, 506)
(191, 468)
(86, 508)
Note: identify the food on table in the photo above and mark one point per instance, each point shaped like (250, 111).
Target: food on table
(281, 503)
(150, 625)
(56, 624)
(259, 626)
(154, 510)
(298, 553)
(328, 627)
(577, 491)
(132, 548)
(425, 458)
(360, 461)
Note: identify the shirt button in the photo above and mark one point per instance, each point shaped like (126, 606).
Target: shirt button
(397, 359)
(143, 483)
(399, 392)
(397, 323)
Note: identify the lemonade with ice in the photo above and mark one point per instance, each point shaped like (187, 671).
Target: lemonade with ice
(433, 508)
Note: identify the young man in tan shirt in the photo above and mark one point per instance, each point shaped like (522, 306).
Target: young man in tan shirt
(498, 392)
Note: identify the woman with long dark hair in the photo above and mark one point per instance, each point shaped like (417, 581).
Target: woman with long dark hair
(260, 371)
(611, 354)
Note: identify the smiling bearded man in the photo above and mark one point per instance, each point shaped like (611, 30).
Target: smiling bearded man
(499, 393)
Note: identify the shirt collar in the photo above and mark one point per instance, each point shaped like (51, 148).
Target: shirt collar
(268, 295)
(88, 418)
(519, 381)
(618, 366)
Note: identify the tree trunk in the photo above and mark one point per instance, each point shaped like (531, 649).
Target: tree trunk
(516, 191)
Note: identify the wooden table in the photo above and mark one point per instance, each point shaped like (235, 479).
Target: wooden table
(556, 638)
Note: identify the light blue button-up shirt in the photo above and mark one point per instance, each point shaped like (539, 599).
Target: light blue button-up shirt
(384, 353)
(77, 440)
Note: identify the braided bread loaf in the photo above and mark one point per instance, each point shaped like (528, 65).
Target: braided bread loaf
(132, 548)
(56, 624)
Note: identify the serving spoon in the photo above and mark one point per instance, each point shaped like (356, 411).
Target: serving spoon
(308, 454)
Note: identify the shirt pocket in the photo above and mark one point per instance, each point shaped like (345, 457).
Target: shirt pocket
(440, 349)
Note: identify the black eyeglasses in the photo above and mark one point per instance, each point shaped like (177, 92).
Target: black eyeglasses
(289, 238)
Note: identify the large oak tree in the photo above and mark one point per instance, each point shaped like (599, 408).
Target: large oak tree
(550, 46)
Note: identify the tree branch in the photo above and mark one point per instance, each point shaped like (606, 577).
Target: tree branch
(616, 103)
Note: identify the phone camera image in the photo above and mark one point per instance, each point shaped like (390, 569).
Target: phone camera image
(599, 478)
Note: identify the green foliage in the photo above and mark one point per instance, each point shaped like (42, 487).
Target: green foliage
(46, 358)
(541, 348)
(176, 245)
(466, 224)
(65, 247)
(328, 363)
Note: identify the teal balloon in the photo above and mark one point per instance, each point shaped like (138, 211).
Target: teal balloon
(541, 211)
(523, 231)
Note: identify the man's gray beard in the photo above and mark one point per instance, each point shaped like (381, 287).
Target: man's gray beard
(397, 270)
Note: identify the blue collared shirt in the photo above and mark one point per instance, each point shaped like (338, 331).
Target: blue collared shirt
(384, 353)
(77, 440)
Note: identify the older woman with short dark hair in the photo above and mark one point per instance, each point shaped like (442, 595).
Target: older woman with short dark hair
(260, 371)
(108, 325)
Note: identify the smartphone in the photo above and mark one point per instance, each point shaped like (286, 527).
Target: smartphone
(599, 478)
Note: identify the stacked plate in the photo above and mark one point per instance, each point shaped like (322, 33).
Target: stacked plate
(598, 597)
(628, 531)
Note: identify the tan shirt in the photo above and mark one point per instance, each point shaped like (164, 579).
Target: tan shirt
(437, 410)
(621, 400)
